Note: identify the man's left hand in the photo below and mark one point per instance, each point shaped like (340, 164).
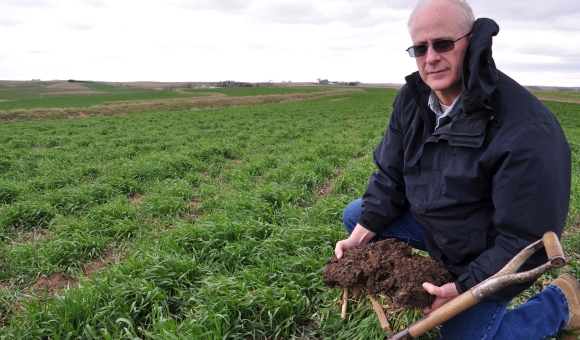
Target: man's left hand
(442, 294)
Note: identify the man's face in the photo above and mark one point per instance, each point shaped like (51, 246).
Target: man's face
(441, 71)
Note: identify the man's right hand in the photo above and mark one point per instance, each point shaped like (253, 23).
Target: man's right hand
(360, 235)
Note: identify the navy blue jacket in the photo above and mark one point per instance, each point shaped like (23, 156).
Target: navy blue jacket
(488, 182)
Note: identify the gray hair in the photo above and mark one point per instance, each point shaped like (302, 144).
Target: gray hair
(466, 19)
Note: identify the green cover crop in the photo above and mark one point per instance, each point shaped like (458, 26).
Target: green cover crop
(206, 224)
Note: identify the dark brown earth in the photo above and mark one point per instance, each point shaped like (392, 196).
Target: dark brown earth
(387, 268)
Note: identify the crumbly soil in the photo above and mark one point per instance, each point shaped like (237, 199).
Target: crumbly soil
(387, 268)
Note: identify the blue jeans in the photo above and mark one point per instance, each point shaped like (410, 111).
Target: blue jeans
(541, 317)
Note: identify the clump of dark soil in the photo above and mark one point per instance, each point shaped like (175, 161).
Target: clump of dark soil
(387, 268)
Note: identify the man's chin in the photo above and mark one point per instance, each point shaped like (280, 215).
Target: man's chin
(439, 84)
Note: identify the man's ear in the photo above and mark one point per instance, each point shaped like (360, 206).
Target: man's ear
(469, 37)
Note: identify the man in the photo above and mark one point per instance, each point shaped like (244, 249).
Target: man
(472, 169)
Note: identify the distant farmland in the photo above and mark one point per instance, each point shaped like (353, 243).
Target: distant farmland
(198, 223)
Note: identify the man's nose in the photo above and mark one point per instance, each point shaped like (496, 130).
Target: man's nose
(432, 55)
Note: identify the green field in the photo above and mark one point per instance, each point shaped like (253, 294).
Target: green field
(23, 90)
(252, 91)
(32, 95)
(86, 101)
(210, 224)
(574, 95)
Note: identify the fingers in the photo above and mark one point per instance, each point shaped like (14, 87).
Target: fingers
(338, 250)
(442, 294)
(432, 289)
(428, 309)
(341, 246)
(447, 290)
(360, 235)
(428, 287)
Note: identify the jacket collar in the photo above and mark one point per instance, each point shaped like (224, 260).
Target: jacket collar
(480, 75)
(421, 93)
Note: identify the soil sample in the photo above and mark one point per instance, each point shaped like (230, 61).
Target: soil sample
(387, 268)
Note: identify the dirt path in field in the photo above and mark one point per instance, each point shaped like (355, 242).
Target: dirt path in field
(178, 104)
(557, 99)
(87, 91)
(387, 268)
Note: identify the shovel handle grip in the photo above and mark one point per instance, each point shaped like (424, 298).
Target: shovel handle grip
(437, 317)
(554, 249)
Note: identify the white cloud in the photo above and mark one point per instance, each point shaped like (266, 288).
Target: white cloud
(531, 11)
(257, 40)
(224, 6)
(29, 3)
(80, 26)
(96, 3)
(361, 13)
(6, 20)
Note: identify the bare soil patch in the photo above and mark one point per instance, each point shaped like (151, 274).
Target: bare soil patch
(558, 99)
(86, 91)
(146, 84)
(80, 115)
(137, 199)
(193, 216)
(387, 268)
(31, 237)
(54, 283)
(327, 187)
(59, 281)
(323, 192)
(67, 86)
(194, 204)
(102, 263)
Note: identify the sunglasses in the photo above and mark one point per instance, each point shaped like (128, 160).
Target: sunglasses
(439, 46)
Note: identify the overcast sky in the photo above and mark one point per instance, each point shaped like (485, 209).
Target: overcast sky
(263, 40)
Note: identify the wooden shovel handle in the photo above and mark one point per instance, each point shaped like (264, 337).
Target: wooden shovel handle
(554, 249)
(467, 299)
(437, 317)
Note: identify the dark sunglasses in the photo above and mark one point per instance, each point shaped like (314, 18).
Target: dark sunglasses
(439, 46)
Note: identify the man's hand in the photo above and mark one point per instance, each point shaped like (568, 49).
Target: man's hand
(443, 295)
(360, 235)
(343, 245)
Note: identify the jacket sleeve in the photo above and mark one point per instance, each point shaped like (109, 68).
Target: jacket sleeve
(530, 193)
(385, 198)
